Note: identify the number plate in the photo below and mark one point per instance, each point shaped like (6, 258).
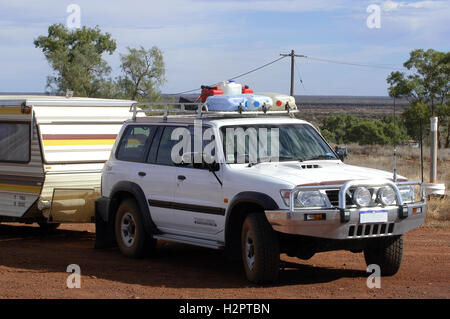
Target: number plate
(373, 216)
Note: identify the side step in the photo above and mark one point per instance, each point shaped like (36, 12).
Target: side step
(190, 241)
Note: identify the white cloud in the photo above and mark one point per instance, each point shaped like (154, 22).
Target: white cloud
(395, 5)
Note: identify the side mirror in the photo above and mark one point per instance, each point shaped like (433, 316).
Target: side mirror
(213, 167)
(201, 160)
(341, 152)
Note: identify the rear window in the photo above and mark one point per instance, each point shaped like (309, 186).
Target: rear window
(134, 143)
(14, 142)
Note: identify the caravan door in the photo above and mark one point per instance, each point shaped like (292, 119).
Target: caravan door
(21, 171)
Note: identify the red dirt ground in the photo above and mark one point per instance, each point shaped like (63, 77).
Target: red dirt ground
(33, 265)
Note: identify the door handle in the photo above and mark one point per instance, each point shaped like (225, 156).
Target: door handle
(181, 177)
(142, 174)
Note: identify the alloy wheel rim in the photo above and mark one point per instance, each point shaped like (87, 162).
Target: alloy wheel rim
(249, 250)
(128, 229)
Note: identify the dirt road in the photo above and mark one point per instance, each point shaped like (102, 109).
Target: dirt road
(33, 265)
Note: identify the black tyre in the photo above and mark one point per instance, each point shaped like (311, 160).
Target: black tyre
(260, 249)
(386, 252)
(131, 237)
(48, 227)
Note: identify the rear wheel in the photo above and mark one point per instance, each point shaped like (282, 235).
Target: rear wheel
(260, 249)
(386, 252)
(131, 237)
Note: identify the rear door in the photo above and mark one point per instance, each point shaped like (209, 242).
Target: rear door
(160, 182)
(21, 171)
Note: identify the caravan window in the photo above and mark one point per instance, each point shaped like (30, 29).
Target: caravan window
(14, 142)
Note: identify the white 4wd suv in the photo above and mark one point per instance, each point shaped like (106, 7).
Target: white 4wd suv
(257, 185)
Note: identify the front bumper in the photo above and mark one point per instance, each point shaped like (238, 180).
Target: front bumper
(346, 223)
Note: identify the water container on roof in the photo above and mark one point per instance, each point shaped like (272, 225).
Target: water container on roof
(226, 102)
(230, 88)
(256, 102)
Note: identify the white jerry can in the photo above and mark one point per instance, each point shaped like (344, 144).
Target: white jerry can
(279, 101)
(230, 88)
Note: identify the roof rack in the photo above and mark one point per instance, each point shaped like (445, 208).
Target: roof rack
(197, 109)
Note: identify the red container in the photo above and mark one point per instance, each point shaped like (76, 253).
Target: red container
(246, 90)
(208, 91)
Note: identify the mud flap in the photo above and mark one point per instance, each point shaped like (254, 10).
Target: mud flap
(104, 230)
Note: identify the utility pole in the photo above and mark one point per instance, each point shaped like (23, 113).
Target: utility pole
(293, 55)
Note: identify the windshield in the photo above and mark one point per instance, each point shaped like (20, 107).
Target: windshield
(273, 143)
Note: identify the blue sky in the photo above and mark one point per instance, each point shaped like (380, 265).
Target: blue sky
(206, 42)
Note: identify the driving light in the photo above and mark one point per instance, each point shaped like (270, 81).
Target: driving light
(407, 193)
(386, 196)
(362, 196)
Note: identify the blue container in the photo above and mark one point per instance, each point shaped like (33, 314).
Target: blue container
(256, 102)
(226, 102)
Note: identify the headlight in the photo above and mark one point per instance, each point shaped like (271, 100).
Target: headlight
(386, 196)
(407, 193)
(305, 199)
(311, 199)
(362, 196)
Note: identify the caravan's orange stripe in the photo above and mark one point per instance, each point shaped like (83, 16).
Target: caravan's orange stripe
(78, 142)
(10, 110)
(20, 188)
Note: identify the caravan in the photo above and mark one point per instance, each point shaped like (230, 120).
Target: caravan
(52, 150)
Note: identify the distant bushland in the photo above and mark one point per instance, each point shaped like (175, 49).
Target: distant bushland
(345, 129)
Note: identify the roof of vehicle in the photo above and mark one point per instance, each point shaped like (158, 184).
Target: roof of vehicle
(51, 100)
(219, 121)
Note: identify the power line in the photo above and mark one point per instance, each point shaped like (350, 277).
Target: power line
(237, 76)
(378, 66)
(263, 66)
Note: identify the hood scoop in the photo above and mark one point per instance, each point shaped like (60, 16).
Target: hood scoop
(308, 166)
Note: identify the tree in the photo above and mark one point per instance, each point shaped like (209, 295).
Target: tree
(76, 58)
(428, 84)
(351, 129)
(143, 72)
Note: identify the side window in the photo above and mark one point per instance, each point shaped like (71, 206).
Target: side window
(134, 143)
(207, 147)
(14, 142)
(165, 147)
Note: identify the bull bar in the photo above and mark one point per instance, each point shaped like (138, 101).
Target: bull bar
(342, 221)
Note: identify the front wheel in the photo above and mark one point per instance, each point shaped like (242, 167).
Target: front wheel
(260, 249)
(386, 252)
(131, 237)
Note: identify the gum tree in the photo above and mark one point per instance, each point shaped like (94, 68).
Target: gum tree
(426, 88)
(76, 58)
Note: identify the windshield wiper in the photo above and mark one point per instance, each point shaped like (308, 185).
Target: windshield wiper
(319, 157)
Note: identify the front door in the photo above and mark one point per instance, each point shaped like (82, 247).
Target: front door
(198, 202)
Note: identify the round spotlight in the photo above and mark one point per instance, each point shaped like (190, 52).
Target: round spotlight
(386, 196)
(362, 196)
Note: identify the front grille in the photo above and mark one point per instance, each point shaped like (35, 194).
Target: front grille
(333, 197)
(370, 230)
